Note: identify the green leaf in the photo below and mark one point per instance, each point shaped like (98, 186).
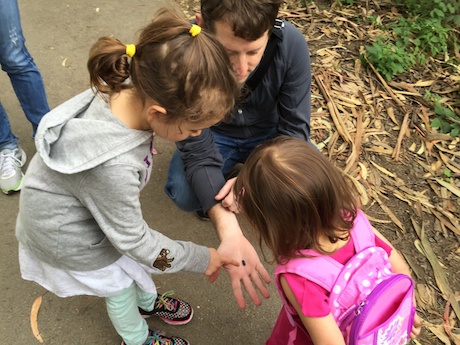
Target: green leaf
(450, 113)
(445, 127)
(436, 123)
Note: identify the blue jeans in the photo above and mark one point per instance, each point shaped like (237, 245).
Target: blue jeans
(24, 75)
(233, 151)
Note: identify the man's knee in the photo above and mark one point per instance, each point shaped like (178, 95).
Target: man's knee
(179, 190)
(183, 199)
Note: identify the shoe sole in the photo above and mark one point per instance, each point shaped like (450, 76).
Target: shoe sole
(202, 218)
(188, 343)
(169, 322)
(18, 186)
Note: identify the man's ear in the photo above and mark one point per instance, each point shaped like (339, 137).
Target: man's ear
(199, 19)
(155, 112)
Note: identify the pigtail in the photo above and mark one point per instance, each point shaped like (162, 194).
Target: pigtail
(108, 66)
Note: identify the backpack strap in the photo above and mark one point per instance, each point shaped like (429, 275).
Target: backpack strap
(323, 269)
(275, 37)
(365, 237)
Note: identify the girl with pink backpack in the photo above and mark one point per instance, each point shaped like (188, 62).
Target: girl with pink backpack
(340, 280)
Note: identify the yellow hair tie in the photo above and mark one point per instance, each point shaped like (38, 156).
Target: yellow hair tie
(130, 50)
(194, 30)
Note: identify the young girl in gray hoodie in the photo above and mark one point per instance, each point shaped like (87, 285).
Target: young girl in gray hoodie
(80, 225)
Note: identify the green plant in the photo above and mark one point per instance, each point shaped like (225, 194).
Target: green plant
(428, 36)
(388, 58)
(425, 30)
(446, 119)
(376, 20)
(447, 11)
(447, 174)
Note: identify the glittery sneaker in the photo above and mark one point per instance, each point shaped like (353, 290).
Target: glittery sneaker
(157, 337)
(11, 162)
(171, 310)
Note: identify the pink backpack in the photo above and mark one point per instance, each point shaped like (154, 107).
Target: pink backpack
(371, 304)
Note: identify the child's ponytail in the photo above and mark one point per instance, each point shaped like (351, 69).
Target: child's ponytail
(108, 66)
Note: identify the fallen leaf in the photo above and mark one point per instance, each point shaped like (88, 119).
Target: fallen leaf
(449, 186)
(34, 317)
(439, 274)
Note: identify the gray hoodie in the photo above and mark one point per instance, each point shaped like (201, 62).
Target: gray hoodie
(79, 205)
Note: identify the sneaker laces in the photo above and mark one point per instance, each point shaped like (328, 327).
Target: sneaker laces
(166, 301)
(8, 162)
(157, 337)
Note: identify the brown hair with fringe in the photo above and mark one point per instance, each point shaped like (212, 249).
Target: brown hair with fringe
(291, 194)
(190, 76)
(249, 19)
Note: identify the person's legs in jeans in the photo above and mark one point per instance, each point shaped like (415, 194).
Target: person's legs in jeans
(178, 187)
(233, 151)
(19, 65)
(7, 139)
(27, 84)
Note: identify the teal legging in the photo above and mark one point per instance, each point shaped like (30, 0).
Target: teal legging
(125, 316)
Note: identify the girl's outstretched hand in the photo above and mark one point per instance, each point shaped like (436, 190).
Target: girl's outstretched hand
(216, 261)
(251, 275)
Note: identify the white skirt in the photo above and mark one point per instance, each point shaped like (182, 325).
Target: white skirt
(104, 282)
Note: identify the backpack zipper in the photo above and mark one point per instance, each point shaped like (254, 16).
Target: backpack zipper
(375, 294)
(348, 316)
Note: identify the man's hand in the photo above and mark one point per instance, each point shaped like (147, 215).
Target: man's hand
(216, 261)
(226, 196)
(251, 273)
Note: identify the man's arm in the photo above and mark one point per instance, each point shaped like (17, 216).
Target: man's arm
(202, 163)
(235, 245)
(203, 167)
(294, 101)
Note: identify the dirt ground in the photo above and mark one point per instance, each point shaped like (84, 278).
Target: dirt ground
(396, 174)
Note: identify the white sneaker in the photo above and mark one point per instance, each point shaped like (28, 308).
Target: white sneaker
(11, 162)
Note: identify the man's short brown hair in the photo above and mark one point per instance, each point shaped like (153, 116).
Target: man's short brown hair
(249, 19)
